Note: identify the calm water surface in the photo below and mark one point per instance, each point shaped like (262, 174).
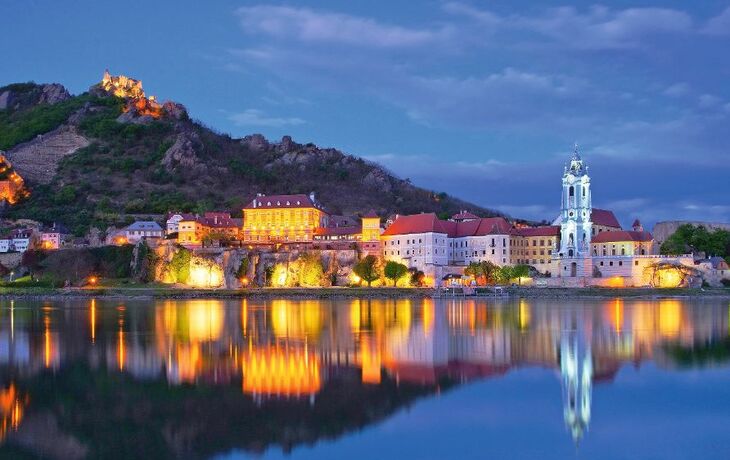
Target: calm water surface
(365, 379)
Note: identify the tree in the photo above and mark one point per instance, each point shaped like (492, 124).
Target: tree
(311, 272)
(368, 269)
(485, 271)
(504, 274)
(520, 271)
(417, 277)
(394, 271)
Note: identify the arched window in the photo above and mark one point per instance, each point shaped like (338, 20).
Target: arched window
(584, 192)
(571, 191)
(570, 253)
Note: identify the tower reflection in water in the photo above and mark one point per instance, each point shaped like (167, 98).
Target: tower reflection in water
(291, 350)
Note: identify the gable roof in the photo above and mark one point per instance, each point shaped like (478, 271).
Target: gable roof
(462, 215)
(545, 230)
(621, 236)
(430, 223)
(145, 225)
(371, 215)
(415, 223)
(605, 218)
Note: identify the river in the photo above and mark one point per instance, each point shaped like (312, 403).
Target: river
(365, 379)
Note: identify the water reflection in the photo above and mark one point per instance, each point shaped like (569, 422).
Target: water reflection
(293, 371)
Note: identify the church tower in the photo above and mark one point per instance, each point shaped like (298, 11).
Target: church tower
(575, 220)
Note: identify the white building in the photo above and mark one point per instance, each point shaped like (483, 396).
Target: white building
(174, 219)
(438, 247)
(593, 249)
(142, 229)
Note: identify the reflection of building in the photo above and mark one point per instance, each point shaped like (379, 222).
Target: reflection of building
(301, 349)
(576, 369)
(12, 405)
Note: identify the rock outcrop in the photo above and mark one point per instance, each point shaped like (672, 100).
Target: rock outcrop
(31, 95)
(53, 93)
(256, 143)
(37, 160)
(182, 156)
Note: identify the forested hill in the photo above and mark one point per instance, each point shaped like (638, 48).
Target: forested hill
(97, 158)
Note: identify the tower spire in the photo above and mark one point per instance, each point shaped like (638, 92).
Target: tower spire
(576, 155)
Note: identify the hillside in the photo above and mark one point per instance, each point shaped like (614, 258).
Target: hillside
(96, 158)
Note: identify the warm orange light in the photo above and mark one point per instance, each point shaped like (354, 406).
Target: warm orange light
(244, 281)
(371, 360)
(275, 371)
(616, 282)
(93, 280)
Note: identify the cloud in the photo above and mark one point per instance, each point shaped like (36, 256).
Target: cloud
(719, 25)
(254, 117)
(597, 28)
(306, 25)
(707, 101)
(677, 90)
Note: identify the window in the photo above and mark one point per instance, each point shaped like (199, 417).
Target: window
(636, 262)
(601, 263)
(620, 263)
(611, 263)
(534, 242)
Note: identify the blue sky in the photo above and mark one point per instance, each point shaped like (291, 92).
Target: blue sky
(480, 99)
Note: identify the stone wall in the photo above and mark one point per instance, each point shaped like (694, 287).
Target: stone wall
(222, 265)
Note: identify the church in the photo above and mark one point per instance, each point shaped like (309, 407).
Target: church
(593, 250)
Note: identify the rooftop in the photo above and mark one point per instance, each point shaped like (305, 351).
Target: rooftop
(616, 236)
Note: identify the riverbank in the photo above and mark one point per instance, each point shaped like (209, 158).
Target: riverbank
(163, 292)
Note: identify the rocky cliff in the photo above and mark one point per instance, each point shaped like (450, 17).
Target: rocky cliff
(96, 158)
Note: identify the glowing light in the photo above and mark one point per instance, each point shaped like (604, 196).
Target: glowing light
(616, 282)
(275, 371)
(371, 360)
(296, 319)
(93, 320)
(524, 314)
(11, 410)
(670, 318)
(93, 280)
(669, 277)
(205, 275)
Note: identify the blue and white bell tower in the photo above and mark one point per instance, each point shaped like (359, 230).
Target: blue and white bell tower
(575, 220)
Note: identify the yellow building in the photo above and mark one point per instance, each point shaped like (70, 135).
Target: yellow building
(193, 229)
(370, 227)
(283, 218)
(534, 246)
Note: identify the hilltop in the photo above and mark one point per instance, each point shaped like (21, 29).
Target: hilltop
(97, 158)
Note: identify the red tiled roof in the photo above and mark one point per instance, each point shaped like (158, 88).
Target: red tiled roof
(621, 235)
(429, 223)
(416, 223)
(464, 215)
(283, 201)
(604, 217)
(546, 230)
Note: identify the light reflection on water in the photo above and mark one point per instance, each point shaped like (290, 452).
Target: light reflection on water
(195, 378)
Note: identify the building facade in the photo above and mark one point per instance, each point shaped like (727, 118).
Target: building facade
(283, 219)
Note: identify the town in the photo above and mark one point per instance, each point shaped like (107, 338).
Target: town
(584, 246)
